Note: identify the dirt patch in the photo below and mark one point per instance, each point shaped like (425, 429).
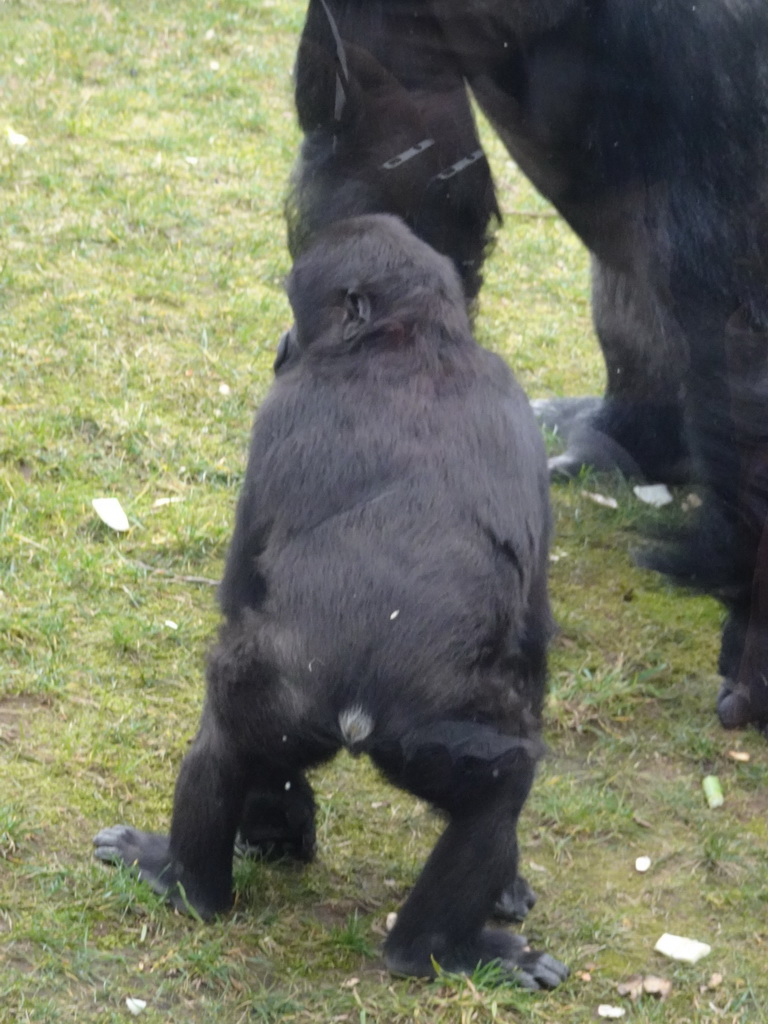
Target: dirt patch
(13, 712)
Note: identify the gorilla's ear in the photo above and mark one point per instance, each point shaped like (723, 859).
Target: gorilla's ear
(357, 313)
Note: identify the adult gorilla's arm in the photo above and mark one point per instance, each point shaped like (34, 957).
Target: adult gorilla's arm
(388, 127)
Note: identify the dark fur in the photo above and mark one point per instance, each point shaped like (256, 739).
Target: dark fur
(646, 124)
(385, 590)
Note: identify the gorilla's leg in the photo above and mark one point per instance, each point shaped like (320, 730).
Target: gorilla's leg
(193, 866)
(638, 427)
(480, 778)
(280, 822)
(444, 918)
(724, 552)
(733, 704)
(743, 696)
(244, 769)
(517, 897)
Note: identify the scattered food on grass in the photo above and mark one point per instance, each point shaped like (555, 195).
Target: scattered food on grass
(649, 984)
(632, 987)
(653, 985)
(691, 502)
(657, 495)
(160, 502)
(610, 1012)
(16, 138)
(713, 791)
(715, 981)
(601, 499)
(677, 947)
(110, 511)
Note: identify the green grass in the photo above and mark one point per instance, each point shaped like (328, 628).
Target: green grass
(141, 263)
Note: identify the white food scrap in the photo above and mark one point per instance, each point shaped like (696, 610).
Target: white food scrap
(611, 1012)
(677, 947)
(601, 499)
(657, 495)
(110, 511)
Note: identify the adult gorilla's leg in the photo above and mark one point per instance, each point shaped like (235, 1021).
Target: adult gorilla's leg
(388, 128)
(728, 558)
(743, 696)
(724, 552)
(638, 426)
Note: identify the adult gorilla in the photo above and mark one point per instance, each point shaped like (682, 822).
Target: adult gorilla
(646, 125)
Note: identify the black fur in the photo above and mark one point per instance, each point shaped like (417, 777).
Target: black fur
(385, 590)
(646, 124)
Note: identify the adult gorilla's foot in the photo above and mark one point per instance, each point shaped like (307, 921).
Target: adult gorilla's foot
(735, 710)
(562, 415)
(639, 440)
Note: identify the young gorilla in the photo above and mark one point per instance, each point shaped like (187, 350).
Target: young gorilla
(385, 591)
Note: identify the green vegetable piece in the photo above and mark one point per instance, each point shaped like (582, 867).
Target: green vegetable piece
(713, 791)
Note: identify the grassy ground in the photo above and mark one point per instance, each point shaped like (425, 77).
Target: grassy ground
(142, 251)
